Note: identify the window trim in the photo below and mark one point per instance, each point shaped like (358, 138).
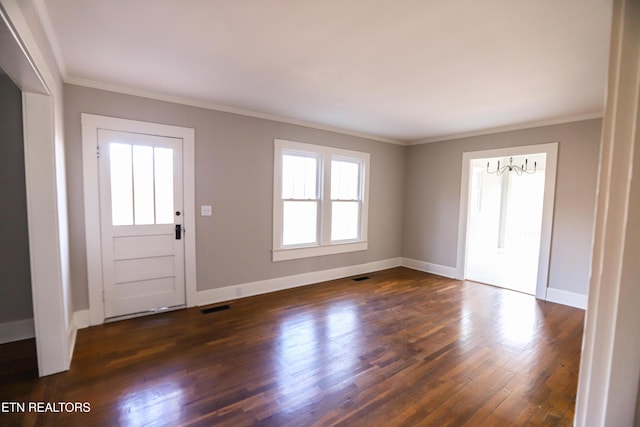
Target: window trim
(324, 246)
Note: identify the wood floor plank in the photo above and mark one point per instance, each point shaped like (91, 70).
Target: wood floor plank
(404, 348)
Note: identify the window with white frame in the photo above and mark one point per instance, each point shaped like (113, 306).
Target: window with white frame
(320, 200)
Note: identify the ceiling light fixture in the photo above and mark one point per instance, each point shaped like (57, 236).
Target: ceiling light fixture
(513, 168)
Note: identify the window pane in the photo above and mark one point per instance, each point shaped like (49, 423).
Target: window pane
(143, 184)
(345, 177)
(121, 184)
(299, 177)
(299, 223)
(344, 220)
(163, 171)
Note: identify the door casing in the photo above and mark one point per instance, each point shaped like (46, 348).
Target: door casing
(22, 59)
(551, 150)
(90, 125)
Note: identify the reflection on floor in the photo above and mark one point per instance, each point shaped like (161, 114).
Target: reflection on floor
(403, 348)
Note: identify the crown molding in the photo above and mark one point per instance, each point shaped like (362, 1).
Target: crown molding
(250, 113)
(520, 126)
(217, 107)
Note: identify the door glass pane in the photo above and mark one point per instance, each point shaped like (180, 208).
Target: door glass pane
(344, 220)
(300, 223)
(163, 161)
(121, 184)
(299, 177)
(345, 177)
(143, 184)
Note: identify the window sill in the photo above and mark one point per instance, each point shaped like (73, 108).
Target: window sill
(337, 248)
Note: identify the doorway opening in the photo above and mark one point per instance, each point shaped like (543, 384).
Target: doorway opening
(505, 223)
(17, 326)
(35, 77)
(505, 220)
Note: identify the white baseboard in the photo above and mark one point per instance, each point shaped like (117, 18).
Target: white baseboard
(558, 296)
(16, 331)
(228, 293)
(567, 298)
(73, 332)
(25, 329)
(79, 320)
(212, 296)
(427, 267)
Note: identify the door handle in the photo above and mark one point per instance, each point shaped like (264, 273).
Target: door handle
(178, 231)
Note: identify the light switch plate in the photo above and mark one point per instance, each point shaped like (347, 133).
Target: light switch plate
(205, 210)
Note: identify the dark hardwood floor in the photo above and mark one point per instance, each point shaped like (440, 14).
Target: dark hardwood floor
(403, 348)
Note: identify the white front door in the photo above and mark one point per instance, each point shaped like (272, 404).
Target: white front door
(141, 206)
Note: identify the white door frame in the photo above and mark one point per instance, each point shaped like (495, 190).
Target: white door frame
(23, 60)
(609, 370)
(90, 125)
(551, 150)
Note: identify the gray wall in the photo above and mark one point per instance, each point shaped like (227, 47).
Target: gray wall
(432, 197)
(414, 201)
(234, 173)
(15, 277)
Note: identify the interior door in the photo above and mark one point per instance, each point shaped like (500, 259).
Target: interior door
(141, 205)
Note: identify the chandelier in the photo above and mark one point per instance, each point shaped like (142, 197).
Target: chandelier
(513, 168)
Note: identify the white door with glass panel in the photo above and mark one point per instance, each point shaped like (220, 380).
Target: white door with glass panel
(141, 221)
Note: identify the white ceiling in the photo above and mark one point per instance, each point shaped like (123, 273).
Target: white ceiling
(402, 70)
